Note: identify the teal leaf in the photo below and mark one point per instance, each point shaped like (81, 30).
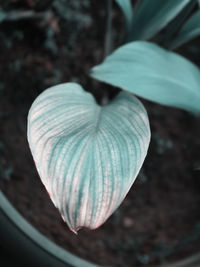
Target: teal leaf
(189, 31)
(127, 9)
(87, 156)
(153, 73)
(174, 26)
(153, 15)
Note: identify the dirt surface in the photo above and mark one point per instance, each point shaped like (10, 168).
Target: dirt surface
(159, 220)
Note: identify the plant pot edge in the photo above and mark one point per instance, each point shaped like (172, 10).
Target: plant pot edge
(27, 242)
(22, 239)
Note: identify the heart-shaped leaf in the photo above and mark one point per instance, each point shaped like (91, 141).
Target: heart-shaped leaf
(87, 156)
(153, 73)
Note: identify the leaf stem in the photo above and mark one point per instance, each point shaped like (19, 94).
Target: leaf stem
(108, 35)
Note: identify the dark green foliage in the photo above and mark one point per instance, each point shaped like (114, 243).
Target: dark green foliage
(189, 31)
(175, 25)
(161, 21)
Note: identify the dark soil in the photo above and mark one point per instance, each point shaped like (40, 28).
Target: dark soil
(159, 220)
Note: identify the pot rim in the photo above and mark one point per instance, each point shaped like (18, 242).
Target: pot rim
(23, 240)
(26, 242)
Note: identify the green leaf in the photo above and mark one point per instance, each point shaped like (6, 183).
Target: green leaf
(153, 15)
(189, 31)
(153, 73)
(87, 156)
(127, 9)
(176, 24)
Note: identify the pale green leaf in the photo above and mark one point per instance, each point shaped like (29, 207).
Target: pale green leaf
(189, 31)
(153, 73)
(127, 9)
(87, 156)
(153, 15)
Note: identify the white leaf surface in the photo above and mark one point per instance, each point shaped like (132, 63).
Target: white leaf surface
(87, 156)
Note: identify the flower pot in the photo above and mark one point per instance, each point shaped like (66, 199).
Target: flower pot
(32, 248)
(27, 245)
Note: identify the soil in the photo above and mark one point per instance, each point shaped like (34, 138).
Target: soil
(159, 220)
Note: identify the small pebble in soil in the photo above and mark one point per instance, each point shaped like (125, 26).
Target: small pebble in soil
(127, 222)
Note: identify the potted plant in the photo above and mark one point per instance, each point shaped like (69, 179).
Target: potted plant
(88, 155)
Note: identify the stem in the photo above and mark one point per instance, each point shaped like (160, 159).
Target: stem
(108, 35)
